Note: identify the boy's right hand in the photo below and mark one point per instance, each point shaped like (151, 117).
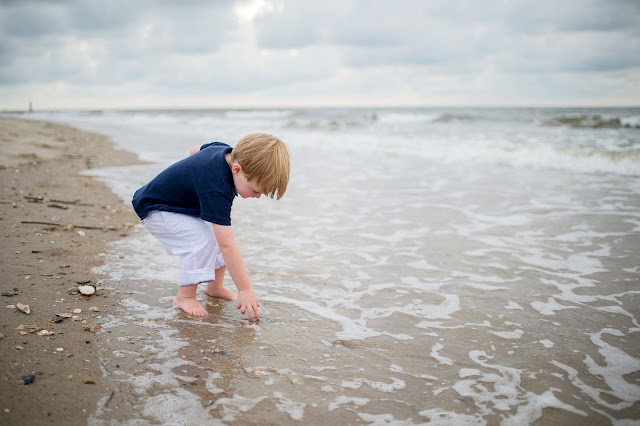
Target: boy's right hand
(247, 302)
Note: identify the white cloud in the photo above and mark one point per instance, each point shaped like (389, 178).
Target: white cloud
(158, 53)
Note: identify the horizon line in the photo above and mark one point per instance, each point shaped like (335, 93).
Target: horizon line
(281, 107)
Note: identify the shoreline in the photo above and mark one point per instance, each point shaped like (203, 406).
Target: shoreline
(57, 225)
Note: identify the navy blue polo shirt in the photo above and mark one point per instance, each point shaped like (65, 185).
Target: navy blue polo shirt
(200, 185)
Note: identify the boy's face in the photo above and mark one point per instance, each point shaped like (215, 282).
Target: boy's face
(244, 188)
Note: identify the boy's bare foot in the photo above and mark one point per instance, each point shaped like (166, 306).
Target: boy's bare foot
(221, 292)
(190, 305)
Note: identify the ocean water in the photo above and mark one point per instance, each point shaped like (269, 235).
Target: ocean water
(426, 266)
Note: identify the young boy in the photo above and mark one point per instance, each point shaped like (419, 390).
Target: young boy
(188, 208)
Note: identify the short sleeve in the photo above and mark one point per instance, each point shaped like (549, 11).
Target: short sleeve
(215, 207)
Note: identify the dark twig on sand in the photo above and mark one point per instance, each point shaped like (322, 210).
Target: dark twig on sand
(57, 206)
(105, 228)
(109, 399)
(41, 199)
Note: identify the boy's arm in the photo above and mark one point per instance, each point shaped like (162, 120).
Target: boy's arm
(247, 301)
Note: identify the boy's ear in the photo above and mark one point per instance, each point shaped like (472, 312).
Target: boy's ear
(236, 168)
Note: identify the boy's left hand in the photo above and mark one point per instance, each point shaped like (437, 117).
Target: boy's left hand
(247, 302)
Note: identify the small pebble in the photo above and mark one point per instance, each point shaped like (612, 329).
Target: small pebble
(87, 290)
(77, 311)
(90, 382)
(28, 379)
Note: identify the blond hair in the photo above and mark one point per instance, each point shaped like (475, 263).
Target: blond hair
(265, 161)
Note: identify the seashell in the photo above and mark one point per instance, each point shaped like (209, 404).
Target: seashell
(87, 290)
(24, 308)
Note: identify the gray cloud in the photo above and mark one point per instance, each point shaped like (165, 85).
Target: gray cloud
(435, 32)
(306, 50)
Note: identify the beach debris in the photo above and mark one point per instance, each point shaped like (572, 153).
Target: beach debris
(220, 353)
(77, 311)
(82, 233)
(57, 320)
(66, 227)
(28, 379)
(45, 200)
(89, 382)
(109, 399)
(92, 329)
(11, 306)
(60, 349)
(94, 309)
(87, 290)
(57, 206)
(1, 336)
(23, 308)
(64, 315)
(8, 294)
(261, 372)
(45, 333)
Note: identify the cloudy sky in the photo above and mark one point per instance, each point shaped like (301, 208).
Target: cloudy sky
(252, 53)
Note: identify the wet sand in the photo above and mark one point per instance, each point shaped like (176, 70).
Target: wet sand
(42, 264)
(469, 306)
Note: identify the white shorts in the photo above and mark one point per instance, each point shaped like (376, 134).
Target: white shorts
(192, 239)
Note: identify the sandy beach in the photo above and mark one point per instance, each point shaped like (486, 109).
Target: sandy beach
(55, 225)
(432, 288)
